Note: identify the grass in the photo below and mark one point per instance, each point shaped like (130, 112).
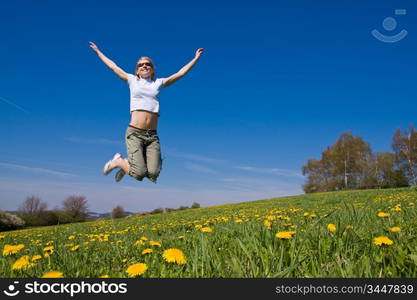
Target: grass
(241, 243)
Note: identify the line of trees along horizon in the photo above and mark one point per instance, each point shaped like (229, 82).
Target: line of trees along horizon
(34, 212)
(350, 164)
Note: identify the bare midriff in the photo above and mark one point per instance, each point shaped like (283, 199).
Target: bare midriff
(144, 119)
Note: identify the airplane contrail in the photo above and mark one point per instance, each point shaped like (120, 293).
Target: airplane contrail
(14, 105)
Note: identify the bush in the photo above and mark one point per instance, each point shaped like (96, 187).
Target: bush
(30, 220)
(10, 222)
(51, 217)
(157, 211)
(45, 218)
(195, 205)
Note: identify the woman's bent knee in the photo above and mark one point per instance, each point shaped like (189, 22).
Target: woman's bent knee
(153, 176)
(137, 174)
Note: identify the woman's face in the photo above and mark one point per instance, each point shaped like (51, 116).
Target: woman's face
(145, 68)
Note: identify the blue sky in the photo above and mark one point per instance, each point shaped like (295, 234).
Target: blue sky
(279, 81)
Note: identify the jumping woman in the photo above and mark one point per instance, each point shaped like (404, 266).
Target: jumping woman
(142, 142)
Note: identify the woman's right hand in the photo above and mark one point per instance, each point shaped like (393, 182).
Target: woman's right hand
(93, 46)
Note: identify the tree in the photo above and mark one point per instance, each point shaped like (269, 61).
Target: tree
(75, 207)
(32, 206)
(320, 174)
(32, 211)
(352, 156)
(387, 172)
(344, 165)
(195, 205)
(404, 145)
(118, 212)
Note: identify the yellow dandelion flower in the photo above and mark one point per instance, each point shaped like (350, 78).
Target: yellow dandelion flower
(75, 248)
(12, 249)
(305, 214)
(238, 221)
(155, 243)
(285, 235)
(383, 214)
(147, 251)
(267, 224)
(331, 227)
(181, 237)
(104, 276)
(395, 229)
(36, 257)
(313, 216)
(71, 237)
(206, 229)
(198, 226)
(174, 256)
(136, 269)
(22, 263)
(382, 240)
(2, 237)
(53, 274)
(49, 249)
(285, 218)
(270, 218)
(139, 243)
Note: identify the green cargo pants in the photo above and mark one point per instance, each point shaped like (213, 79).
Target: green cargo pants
(144, 153)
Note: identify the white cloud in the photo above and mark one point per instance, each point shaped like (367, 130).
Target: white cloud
(93, 140)
(195, 157)
(264, 186)
(37, 170)
(199, 168)
(225, 163)
(273, 171)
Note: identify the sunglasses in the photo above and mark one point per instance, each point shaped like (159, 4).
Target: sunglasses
(148, 64)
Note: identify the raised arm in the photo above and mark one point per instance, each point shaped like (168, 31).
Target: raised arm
(184, 70)
(108, 62)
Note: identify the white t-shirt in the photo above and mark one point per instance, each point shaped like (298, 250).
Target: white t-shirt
(144, 93)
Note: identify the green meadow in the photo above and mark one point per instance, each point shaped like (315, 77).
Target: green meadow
(367, 233)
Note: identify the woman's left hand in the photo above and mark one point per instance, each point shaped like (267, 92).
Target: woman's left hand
(199, 52)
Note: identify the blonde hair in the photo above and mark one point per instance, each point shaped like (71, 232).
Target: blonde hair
(153, 66)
